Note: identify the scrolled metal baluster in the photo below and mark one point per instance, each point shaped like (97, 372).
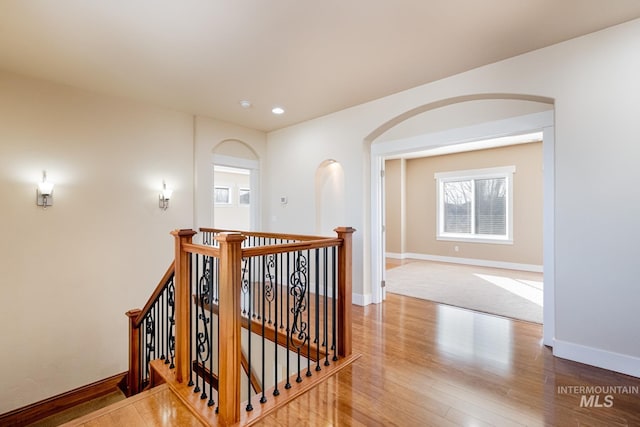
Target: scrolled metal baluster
(269, 284)
(298, 291)
(263, 398)
(244, 287)
(203, 342)
(171, 337)
(149, 326)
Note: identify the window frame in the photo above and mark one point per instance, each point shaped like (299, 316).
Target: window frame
(240, 193)
(441, 178)
(229, 199)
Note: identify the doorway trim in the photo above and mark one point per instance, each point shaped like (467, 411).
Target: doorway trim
(543, 121)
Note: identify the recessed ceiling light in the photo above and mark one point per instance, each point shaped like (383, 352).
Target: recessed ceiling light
(277, 110)
(245, 104)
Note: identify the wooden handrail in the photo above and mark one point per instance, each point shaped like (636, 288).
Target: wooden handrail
(154, 296)
(289, 247)
(266, 234)
(265, 250)
(193, 248)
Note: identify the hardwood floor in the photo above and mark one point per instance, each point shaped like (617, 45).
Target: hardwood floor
(429, 364)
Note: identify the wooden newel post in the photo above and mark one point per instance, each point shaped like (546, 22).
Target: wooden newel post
(344, 290)
(182, 303)
(229, 322)
(134, 353)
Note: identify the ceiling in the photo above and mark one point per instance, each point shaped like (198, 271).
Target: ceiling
(309, 57)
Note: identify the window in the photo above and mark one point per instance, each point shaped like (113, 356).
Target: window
(475, 205)
(221, 195)
(244, 196)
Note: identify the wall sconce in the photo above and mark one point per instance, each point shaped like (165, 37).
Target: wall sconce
(44, 192)
(164, 197)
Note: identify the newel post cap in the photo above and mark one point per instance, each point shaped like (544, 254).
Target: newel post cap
(230, 237)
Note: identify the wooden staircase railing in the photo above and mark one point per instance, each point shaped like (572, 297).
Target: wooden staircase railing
(213, 284)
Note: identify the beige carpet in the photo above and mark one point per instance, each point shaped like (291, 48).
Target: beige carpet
(510, 293)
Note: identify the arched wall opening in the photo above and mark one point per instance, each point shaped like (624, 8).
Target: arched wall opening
(234, 180)
(509, 114)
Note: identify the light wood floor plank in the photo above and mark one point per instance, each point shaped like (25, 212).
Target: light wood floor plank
(430, 364)
(425, 364)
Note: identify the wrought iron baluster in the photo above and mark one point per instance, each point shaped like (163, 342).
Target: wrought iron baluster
(335, 297)
(276, 391)
(249, 407)
(281, 290)
(171, 336)
(211, 402)
(244, 287)
(263, 280)
(288, 384)
(298, 292)
(308, 297)
(191, 316)
(325, 305)
(203, 342)
(269, 286)
(196, 389)
(317, 314)
(149, 340)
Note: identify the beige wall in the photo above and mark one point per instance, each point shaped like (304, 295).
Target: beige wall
(394, 206)
(70, 272)
(421, 204)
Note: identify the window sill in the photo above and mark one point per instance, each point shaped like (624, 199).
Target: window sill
(475, 240)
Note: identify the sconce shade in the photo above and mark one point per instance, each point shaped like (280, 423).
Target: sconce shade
(44, 192)
(166, 193)
(46, 188)
(164, 196)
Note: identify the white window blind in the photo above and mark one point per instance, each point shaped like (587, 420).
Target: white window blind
(475, 205)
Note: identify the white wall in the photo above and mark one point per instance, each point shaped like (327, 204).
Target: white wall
(233, 216)
(594, 82)
(70, 272)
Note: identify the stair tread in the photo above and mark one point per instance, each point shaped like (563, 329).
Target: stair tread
(156, 407)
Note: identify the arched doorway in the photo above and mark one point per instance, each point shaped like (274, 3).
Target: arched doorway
(452, 122)
(235, 170)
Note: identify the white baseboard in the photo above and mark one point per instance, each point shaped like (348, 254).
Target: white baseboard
(394, 255)
(617, 362)
(468, 261)
(359, 299)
